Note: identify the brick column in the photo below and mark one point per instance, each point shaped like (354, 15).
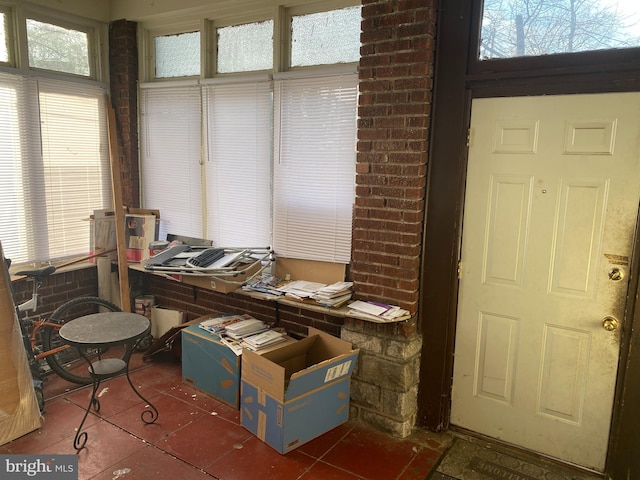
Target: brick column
(396, 74)
(123, 64)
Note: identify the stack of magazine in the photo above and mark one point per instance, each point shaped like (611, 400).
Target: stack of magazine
(245, 328)
(263, 340)
(219, 324)
(378, 312)
(242, 331)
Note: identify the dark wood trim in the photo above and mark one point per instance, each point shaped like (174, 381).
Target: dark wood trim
(624, 439)
(456, 82)
(444, 203)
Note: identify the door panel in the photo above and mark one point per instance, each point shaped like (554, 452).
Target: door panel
(551, 200)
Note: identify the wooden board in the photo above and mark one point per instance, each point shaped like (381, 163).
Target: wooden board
(119, 208)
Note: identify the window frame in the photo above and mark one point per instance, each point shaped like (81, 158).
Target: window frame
(96, 41)
(10, 35)
(148, 51)
(591, 61)
(18, 66)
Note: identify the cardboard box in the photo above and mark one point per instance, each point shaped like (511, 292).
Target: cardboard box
(211, 366)
(163, 319)
(139, 231)
(18, 402)
(297, 392)
(103, 234)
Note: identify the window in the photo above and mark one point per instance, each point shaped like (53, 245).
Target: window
(4, 49)
(277, 161)
(519, 28)
(52, 47)
(325, 38)
(170, 122)
(177, 55)
(51, 180)
(314, 175)
(238, 166)
(245, 48)
(54, 153)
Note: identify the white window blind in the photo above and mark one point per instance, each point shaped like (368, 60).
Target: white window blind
(314, 168)
(170, 122)
(14, 119)
(54, 165)
(238, 168)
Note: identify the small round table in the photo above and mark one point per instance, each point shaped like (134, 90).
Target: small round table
(100, 331)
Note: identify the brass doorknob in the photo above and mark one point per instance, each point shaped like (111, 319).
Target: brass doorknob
(610, 323)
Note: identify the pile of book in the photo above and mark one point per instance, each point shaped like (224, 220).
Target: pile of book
(377, 312)
(334, 295)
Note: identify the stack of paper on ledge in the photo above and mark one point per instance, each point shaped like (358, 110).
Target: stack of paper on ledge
(377, 312)
(334, 295)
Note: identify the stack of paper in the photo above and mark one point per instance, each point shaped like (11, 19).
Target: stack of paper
(266, 283)
(218, 325)
(263, 340)
(245, 328)
(334, 295)
(378, 312)
(300, 289)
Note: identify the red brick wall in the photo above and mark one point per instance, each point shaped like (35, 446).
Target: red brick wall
(123, 62)
(195, 302)
(57, 289)
(396, 73)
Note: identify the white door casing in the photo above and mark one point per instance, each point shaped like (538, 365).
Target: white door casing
(551, 201)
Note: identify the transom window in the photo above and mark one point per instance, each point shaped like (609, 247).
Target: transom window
(4, 49)
(245, 48)
(177, 55)
(57, 48)
(517, 28)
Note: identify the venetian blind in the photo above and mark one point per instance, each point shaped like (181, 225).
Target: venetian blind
(170, 122)
(238, 167)
(314, 166)
(54, 166)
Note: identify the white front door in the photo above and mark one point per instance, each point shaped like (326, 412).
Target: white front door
(552, 194)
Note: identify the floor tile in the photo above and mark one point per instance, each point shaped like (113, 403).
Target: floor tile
(372, 454)
(202, 442)
(149, 463)
(59, 423)
(173, 414)
(106, 445)
(162, 376)
(115, 395)
(194, 396)
(323, 471)
(322, 444)
(256, 459)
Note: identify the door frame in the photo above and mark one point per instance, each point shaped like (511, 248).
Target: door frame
(458, 79)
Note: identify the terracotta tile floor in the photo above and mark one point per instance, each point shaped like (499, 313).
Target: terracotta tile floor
(197, 437)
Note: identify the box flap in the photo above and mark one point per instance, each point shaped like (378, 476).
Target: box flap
(328, 359)
(271, 370)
